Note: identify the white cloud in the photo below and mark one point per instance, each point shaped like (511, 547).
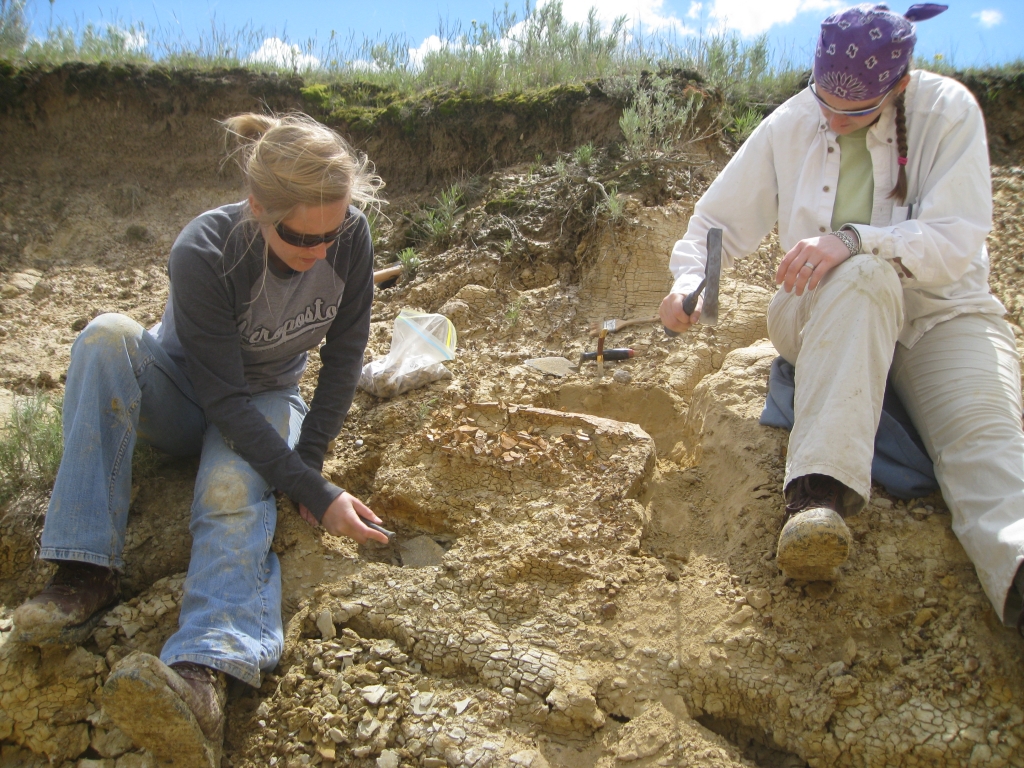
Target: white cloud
(694, 12)
(752, 17)
(362, 65)
(276, 51)
(988, 18)
(649, 14)
(135, 40)
(416, 55)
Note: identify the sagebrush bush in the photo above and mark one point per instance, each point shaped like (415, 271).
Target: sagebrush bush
(31, 445)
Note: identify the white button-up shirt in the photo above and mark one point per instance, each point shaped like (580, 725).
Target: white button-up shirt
(787, 172)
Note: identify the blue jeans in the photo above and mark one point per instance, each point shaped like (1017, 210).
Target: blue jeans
(122, 386)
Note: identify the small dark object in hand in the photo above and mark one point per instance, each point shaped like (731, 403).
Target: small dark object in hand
(379, 529)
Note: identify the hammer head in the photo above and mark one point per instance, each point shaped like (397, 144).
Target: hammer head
(709, 312)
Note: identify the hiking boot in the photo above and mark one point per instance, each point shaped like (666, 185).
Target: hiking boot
(175, 712)
(814, 540)
(70, 606)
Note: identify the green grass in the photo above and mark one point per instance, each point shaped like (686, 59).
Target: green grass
(13, 27)
(657, 118)
(438, 225)
(514, 312)
(410, 262)
(615, 206)
(513, 52)
(31, 445)
(743, 124)
(531, 50)
(584, 155)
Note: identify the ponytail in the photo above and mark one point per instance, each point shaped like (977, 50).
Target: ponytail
(293, 160)
(899, 192)
(243, 130)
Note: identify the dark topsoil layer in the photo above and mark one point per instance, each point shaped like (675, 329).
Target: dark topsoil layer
(417, 142)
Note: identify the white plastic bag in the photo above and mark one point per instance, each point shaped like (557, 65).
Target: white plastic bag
(420, 343)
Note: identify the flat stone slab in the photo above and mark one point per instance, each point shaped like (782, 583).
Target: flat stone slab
(421, 552)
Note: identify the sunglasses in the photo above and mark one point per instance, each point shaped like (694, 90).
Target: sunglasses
(300, 240)
(846, 112)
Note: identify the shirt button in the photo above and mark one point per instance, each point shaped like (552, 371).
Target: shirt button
(874, 251)
(825, 188)
(831, 149)
(889, 140)
(821, 229)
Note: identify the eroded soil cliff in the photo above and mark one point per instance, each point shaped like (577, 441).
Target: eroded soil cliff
(584, 571)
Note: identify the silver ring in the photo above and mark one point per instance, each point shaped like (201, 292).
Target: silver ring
(808, 264)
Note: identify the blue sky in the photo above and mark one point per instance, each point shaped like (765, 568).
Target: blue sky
(971, 32)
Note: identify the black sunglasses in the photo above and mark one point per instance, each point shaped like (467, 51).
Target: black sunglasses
(308, 241)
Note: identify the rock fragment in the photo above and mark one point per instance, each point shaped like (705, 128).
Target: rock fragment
(325, 623)
(421, 552)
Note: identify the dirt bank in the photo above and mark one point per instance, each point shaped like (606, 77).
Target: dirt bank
(583, 573)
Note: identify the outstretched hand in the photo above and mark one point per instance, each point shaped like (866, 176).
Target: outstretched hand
(342, 518)
(807, 263)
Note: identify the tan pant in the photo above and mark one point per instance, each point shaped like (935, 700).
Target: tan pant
(960, 384)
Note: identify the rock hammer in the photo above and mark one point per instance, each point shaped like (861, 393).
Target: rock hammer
(709, 285)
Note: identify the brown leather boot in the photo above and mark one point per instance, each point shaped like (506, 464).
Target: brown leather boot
(206, 697)
(815, 540)
(177, 713)
(68, 609)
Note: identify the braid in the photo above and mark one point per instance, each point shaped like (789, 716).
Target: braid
(900, 190)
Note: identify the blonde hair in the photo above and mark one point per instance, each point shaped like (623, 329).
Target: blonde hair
(291, 160)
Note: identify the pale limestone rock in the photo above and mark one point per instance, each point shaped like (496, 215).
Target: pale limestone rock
(325, 623)
(421, 552)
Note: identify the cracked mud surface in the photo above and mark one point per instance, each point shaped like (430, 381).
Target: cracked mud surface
(583, 572)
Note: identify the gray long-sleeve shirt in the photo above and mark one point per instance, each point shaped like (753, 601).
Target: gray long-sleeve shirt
(238, 327)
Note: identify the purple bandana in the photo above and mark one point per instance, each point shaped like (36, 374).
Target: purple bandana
(864, 51)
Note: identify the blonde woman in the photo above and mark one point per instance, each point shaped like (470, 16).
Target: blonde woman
(878, 178)
(254, 286)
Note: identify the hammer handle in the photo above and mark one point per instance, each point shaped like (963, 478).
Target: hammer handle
(690, 302)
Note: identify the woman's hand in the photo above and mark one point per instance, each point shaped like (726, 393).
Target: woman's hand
(672, 315)
(342, 518)
(820, 253)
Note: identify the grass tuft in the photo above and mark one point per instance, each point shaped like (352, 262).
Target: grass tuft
(744, 124)
(31, 445)
(439, 224)
(410, 262)
(13, 26)
(615, 206)
(514, 312)
(584, 155)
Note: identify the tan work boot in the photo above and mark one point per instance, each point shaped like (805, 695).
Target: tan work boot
(68, 609)
(815, 540)
(176, 712)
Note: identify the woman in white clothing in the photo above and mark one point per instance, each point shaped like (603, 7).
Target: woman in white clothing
(878, 179)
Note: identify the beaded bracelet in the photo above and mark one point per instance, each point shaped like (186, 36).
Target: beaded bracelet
(848, 240)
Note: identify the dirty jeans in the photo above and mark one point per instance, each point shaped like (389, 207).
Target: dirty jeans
(960, 383)
(122, 385)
